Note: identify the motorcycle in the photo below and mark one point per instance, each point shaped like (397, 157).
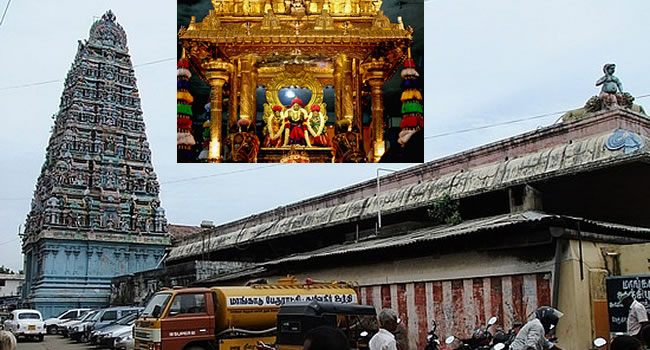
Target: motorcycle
(599, 343)
(505, 338)
(432, 339)
(480, 339)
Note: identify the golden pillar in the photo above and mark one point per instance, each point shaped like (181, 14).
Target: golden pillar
(338, 87)
(348, 107)
(374, 74)
(247, 89)
(217, 74)
(234, 96)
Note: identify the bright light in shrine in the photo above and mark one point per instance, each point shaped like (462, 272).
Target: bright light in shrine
(290, 94)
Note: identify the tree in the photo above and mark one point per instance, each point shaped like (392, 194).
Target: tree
(4, 269)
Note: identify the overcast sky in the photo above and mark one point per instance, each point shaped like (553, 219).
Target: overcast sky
(487, 62)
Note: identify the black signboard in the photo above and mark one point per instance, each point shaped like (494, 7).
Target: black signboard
(638, 285)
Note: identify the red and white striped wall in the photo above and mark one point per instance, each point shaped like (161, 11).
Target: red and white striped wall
(460, 306)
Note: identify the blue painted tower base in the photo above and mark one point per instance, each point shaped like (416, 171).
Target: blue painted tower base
(73, 274)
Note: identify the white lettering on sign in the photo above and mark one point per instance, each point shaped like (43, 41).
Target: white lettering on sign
(277, 300)
(182, 333)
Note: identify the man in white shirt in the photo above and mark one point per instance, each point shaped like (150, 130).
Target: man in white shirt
(532, 334)
(384, 339)
(637, 317)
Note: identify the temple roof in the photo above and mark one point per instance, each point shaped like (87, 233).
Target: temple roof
(547, 153)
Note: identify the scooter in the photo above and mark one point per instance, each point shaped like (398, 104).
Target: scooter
(480, 340)
(432, 339)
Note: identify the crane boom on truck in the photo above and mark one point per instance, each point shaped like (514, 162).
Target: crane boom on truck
(226, 318)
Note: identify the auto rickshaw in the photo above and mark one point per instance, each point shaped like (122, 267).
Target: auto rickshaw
(358, 322)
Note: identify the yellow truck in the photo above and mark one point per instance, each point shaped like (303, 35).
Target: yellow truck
(226, 318)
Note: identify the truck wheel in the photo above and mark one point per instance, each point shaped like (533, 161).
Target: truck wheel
(51, 329)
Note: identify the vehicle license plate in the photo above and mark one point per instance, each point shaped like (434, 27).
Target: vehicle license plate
(31, 327)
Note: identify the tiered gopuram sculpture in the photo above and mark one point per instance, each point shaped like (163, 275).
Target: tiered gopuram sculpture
(96, 210)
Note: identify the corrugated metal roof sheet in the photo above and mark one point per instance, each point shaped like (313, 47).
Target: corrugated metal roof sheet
(441, 232)
(580, 155)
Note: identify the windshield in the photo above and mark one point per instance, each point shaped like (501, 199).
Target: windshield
(157, 300)
(61, 314)
(128, 319)
(95, 317)
(29, 316)
(87, 316)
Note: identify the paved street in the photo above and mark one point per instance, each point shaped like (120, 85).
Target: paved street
(51, 342)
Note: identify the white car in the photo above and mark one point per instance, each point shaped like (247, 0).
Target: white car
(51, 324)
(26, 323)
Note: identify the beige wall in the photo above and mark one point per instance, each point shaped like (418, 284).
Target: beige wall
(577, 297)
(447, 267)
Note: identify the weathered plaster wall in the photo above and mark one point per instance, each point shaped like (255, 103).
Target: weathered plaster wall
(459, 291)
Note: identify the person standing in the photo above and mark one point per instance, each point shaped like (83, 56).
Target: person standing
(384, 339)
(7, 341)
(637, 317)
(533, 334)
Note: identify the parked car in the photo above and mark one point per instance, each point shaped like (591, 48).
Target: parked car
(125, 342)
(64, 327)
(103, 317)
(108, 339)
(105, 335)
(52, 323)
(75, 329)
(26, 323)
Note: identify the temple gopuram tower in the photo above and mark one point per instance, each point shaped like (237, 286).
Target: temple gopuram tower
(96, 211)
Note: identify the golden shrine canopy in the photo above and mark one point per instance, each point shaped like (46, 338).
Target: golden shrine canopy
(308, 44)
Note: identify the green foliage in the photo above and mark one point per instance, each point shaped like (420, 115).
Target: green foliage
(445, 210)
(4, 269)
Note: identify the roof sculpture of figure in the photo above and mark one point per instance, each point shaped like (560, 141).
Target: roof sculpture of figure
(611, 97)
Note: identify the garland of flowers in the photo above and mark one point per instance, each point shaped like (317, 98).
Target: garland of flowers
(184, 100)
(412, 118)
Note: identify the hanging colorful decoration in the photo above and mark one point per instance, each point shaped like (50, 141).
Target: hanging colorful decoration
(412, 113)
(184, 100)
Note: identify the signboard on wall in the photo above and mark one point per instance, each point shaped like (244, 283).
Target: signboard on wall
(638, 285)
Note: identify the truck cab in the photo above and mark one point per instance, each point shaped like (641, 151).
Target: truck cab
(180, 318)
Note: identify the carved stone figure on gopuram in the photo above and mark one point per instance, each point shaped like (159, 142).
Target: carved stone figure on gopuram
(96, 210)
(611, 97)
(280, 75)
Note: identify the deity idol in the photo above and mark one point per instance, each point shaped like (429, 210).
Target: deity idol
(316, 126)
(273, 130)
(295, 124)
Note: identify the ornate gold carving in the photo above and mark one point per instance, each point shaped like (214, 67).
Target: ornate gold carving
(302, 79)
(324, 21)
(381, 22)
(270, 21)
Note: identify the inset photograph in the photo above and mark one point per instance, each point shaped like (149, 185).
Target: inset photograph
(300, 81)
